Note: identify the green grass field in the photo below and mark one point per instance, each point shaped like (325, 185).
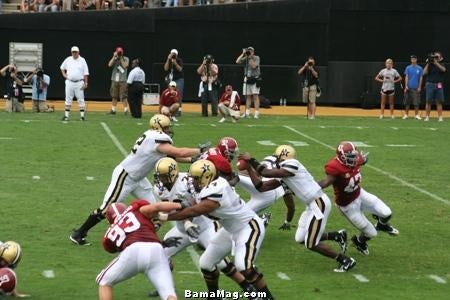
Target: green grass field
(53, 174)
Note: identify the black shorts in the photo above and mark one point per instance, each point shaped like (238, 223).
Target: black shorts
(388, 93)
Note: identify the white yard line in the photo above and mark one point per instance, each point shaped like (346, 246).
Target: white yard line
(283, 276)
(360, 277)
(438, 279)
(398, 179)
(194, 255)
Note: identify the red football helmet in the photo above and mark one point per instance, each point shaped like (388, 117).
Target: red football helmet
(8, 280)
(115, 210)
(221, 163)
(228, 147)
(347, 154)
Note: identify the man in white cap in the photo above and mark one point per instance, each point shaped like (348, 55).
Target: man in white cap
(174, 69)
(75, 70)
(169, 101)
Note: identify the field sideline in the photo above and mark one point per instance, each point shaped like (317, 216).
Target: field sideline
(54, 173)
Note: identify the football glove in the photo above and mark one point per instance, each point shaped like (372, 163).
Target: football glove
(192, 230)
(205, 146)
(171, 242)
(285, 226)
(365, 157)
(163, 216)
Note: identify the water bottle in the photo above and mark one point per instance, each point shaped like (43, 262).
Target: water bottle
(284, 101)
(281, 101)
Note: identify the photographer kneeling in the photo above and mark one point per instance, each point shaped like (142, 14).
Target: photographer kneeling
(209, 72)
(252, 79)
(434, 85)
(39, 86)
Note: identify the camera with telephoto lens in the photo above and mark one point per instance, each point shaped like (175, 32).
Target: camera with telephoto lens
(310, 63)
(208, 59)
(40, 73)
(248, 52)
(431, 57)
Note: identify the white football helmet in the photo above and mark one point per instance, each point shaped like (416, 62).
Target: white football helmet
(284, 152)
(10, 253)
(166, 171)
(203, 172)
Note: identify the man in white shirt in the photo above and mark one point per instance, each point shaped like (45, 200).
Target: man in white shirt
(135, 81)
(75, 70)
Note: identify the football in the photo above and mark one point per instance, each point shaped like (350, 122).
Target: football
(242, 165)
(7, 280)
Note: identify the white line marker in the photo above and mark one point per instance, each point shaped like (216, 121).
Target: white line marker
(361, 144)
(48, 274)
(266, 143)
(114, 139)
(26, 121)
(433, 129)
(283, 276)
(298, 143)
(194, 255)
(398, 179)
(323, 127)
(35, 177)
(394, 128)
(140, 124)
(213, 125)
(438, 279)
(6, 138)
(360, 277)
(187, 272)
(400, 145)
(89, 178)
(359, 127)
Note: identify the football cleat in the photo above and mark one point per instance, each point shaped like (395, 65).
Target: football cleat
(266, 218)
(79, 240)
(341, 239)
(82, 119)
(363, 248)
(153, 294)
(65, 119)
(387, 228)
(346, 265)
(203, 171)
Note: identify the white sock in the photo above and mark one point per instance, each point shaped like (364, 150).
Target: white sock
(125, 109)
(247, 111)
(113, 108)
(82, 113)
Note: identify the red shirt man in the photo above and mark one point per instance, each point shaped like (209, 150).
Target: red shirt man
(229, 104)
(169, 101)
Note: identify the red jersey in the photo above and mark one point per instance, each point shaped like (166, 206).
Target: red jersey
(234, 105)
(169, 97)
(220, 162)
(130, 227)
(346, 186)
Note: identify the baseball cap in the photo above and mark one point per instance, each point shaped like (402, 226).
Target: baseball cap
(173, 83)
(174, 51)
(74, 49)
(413, 56)
(251, 48)
(119, 49)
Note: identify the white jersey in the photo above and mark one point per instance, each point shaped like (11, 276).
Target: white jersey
(76, 68)
(182, 191)
(144, 155)
(232, 212)
(302, 184)
(389, 76)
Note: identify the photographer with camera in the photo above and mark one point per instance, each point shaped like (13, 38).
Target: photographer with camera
(119, 90)
(434, 84)
(209, 91)
(14, 82)
(174, 68)
(310, 83)
(252, 79)
(39, 86)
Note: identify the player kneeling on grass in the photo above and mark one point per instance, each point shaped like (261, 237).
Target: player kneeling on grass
(343, 172)
(133, 234)
(10, 255)
(174, 186)
(241, 228)
(311, 225)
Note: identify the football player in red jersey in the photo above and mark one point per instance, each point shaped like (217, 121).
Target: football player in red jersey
(343, 172)
(133, 234)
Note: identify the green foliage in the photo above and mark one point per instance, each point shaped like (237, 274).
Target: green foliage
(40, 213)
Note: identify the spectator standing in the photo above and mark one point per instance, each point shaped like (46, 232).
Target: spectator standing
(174, 68)
(388, 77)
(434, 85)
(413, 85)
(209, 72)
(136, 80)
(169, 101)
(229, 104)
(310, 82)
(39, 86)
(173, 3)
(14, 82)
(119, 64)
(75, 70)
(252, 73)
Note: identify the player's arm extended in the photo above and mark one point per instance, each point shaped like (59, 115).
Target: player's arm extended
(260, 185)
(152, 210)
(327, 181)
(172, 151)
(204, 207)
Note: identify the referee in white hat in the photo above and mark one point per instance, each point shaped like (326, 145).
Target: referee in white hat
(75, 70)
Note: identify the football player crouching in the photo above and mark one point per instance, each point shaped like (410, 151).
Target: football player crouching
(241, 227)
(174, 186)
(312, 222)
(10, 255)
(343, 172)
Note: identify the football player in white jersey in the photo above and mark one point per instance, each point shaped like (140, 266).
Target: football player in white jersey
(172, 185)
(262, 200)
(311, 225)
(130, 175)
(242, 230)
